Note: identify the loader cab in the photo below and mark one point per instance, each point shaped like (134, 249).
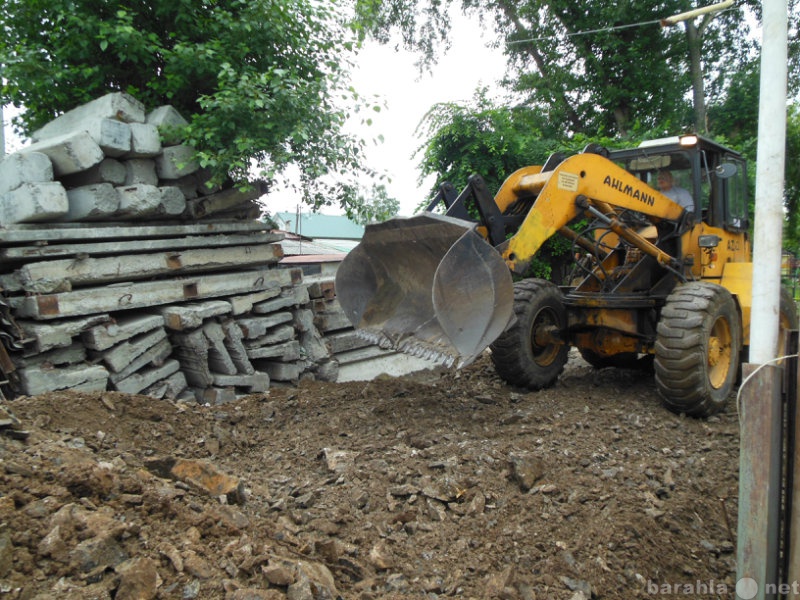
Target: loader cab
(714, 175)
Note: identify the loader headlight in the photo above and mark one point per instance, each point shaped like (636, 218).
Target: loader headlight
(688, 141)
(708, 241)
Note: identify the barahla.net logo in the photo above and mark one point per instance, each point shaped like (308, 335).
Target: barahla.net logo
(746, 588)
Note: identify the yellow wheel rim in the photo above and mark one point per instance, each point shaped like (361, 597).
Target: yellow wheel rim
(719, 353)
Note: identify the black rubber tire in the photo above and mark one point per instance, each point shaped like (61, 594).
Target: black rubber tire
(698, 348)
(517, 357)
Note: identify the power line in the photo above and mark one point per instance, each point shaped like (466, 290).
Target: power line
(587, 32)
(591, 31)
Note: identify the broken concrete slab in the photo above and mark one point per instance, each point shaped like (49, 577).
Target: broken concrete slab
(33, 202)
(342, 341)
(39, 380)
(191, 350)
(215, 396)
(170, 124)
(275, 335)
(187, 185)
(66, 232)
(173, 202)
(153, 356)
(113, 137)
(123, 354)
(145, 141)
(140, 171)
(102, 337)
(139, 200)
(147, 377)
(287, 351)
(175, 162)
(293, 296)
(235, 346)
(108, 170)
(70, 153)
(19, 168)
(130, 296)
(116, 105)
(182, 317)
(281, 371)
(171, 387)
(45, 250)
(244, 304)
(253, 383)
(95, 201)
(219, 361)
(322, 289)
(222, 201)
(255, 327)
(69, 355)
(40, 337)
(51, 276)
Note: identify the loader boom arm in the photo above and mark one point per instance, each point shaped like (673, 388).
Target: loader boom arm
(581, 183)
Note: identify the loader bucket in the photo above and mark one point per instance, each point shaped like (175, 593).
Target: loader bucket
(428, 285)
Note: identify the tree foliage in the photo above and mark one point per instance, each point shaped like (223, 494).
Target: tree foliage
(479, 138)
(262, 82)
(374, 206)
(792, 193)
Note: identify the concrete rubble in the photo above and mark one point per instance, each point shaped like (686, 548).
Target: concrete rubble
(123, 268)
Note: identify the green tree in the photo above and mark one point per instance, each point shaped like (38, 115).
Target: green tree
(261, 81)
(792, 192)
(462, 139)
(374, 206)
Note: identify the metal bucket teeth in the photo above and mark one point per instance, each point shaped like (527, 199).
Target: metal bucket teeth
(409, 346)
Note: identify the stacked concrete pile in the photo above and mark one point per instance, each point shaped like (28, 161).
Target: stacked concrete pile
(122, 269)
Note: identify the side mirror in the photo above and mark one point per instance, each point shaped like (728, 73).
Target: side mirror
(726, 170)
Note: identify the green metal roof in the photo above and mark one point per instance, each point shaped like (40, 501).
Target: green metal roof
(318, 226)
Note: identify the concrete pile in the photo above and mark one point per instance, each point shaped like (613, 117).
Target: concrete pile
(121, 268)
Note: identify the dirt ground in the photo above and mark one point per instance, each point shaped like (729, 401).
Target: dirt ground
(439, 484)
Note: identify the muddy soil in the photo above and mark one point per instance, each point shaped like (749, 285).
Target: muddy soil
(438, 484)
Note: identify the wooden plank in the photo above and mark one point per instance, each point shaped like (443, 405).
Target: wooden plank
(20, 233)
(51, 276)
(45, 250)
(131, 296)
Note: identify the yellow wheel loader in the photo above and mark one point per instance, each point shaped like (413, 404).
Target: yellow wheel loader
(653, 283)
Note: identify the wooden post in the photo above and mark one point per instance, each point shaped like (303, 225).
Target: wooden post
(759, 482)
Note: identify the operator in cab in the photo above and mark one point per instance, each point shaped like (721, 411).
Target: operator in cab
(677, 194)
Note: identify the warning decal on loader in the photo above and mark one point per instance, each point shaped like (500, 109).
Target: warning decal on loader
(568, 182)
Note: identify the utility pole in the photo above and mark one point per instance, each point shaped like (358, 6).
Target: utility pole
(760, 408)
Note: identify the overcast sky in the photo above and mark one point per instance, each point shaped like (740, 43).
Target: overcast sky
(392, 76)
